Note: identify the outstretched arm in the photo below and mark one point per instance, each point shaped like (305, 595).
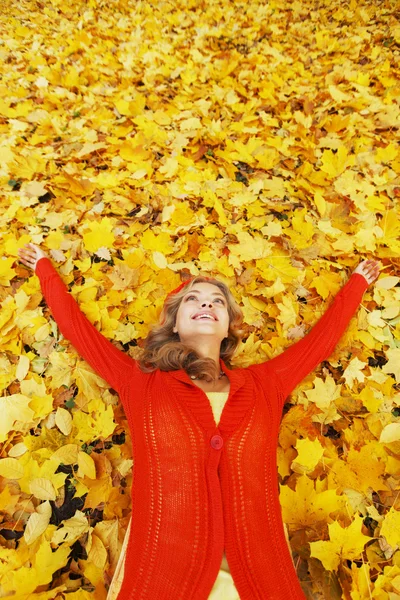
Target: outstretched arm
(109, 362)
(292, 365)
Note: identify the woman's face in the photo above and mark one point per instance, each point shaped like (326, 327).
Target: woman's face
(203, 298)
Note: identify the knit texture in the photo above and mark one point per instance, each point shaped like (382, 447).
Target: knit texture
(224, 586)
(197, 487)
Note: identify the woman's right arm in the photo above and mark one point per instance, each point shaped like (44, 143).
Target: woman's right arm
(109, 362)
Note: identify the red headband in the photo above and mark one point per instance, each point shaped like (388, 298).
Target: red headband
(178, 289)
(182, 285)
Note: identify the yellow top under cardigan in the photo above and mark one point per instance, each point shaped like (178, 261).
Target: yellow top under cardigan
(224, 588)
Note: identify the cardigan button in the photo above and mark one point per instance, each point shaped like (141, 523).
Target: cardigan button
(217, 442)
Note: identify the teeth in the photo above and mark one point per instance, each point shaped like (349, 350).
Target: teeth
(205, 317)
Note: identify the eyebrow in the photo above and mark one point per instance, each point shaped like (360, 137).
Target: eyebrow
(214, 293)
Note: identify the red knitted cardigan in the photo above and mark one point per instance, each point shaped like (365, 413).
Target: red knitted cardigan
(198, 489)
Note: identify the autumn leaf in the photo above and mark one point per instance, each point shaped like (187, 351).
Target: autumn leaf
(393, 364)
(309, 455)
(354, 372)
(304, 506)
(345, 543)
(324, 392)
(390, 527)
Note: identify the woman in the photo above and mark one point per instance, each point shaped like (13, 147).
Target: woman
(204, 476)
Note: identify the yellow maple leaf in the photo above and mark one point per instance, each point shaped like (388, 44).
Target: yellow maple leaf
(44, 562)
(326, 283)
(354, 371)
(123, 277)
(89, 382)
(7, 272)
(324, 392)
(304, 506)
(60, 369)
(361, 583)
(35, 467)
(383, 583)
(80, 595)
(169, 168)
(250, 246)
(393, 363)
(371, 398)
(99, 492)
(100, 234)
(8, 500)
(386, 154)
(71, 529)
(390, 227)
(98, 423)
(161, 242)
(279, 266)
(344, 543)
(334, 164)
(288, 312)
(247, 352)
(309, 454)
(40, 402)
(251, 314)
(15, 414)
(390, 527)
(78, 186)
(362, 469)
(267, 158)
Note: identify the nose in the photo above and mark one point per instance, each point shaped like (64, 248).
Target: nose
(204, 303)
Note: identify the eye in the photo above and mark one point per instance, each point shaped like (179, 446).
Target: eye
(193, 296)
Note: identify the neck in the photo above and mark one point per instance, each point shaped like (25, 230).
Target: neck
(219, 374)
(207, 348)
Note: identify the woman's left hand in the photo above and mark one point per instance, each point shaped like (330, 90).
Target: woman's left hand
(368, 269)
(30, 254)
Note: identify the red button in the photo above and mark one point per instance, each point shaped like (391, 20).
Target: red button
(217, 442)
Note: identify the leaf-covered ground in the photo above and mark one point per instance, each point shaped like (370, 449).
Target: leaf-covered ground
(254, 141)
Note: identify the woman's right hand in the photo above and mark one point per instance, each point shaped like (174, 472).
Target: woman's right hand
(369, 269)
(30, 254)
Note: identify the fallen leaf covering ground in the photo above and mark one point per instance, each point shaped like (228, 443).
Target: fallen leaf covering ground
(254, 141)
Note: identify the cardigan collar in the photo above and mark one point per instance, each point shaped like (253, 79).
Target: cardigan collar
(198, 403)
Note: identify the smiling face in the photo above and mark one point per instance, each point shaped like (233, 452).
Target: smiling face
(203, 298)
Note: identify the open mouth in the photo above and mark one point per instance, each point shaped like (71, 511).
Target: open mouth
(212, 319)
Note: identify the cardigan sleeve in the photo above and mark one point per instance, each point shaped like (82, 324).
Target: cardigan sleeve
(293, 364)
(109, 362)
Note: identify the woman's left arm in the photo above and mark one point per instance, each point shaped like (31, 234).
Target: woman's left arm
(297, 361)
